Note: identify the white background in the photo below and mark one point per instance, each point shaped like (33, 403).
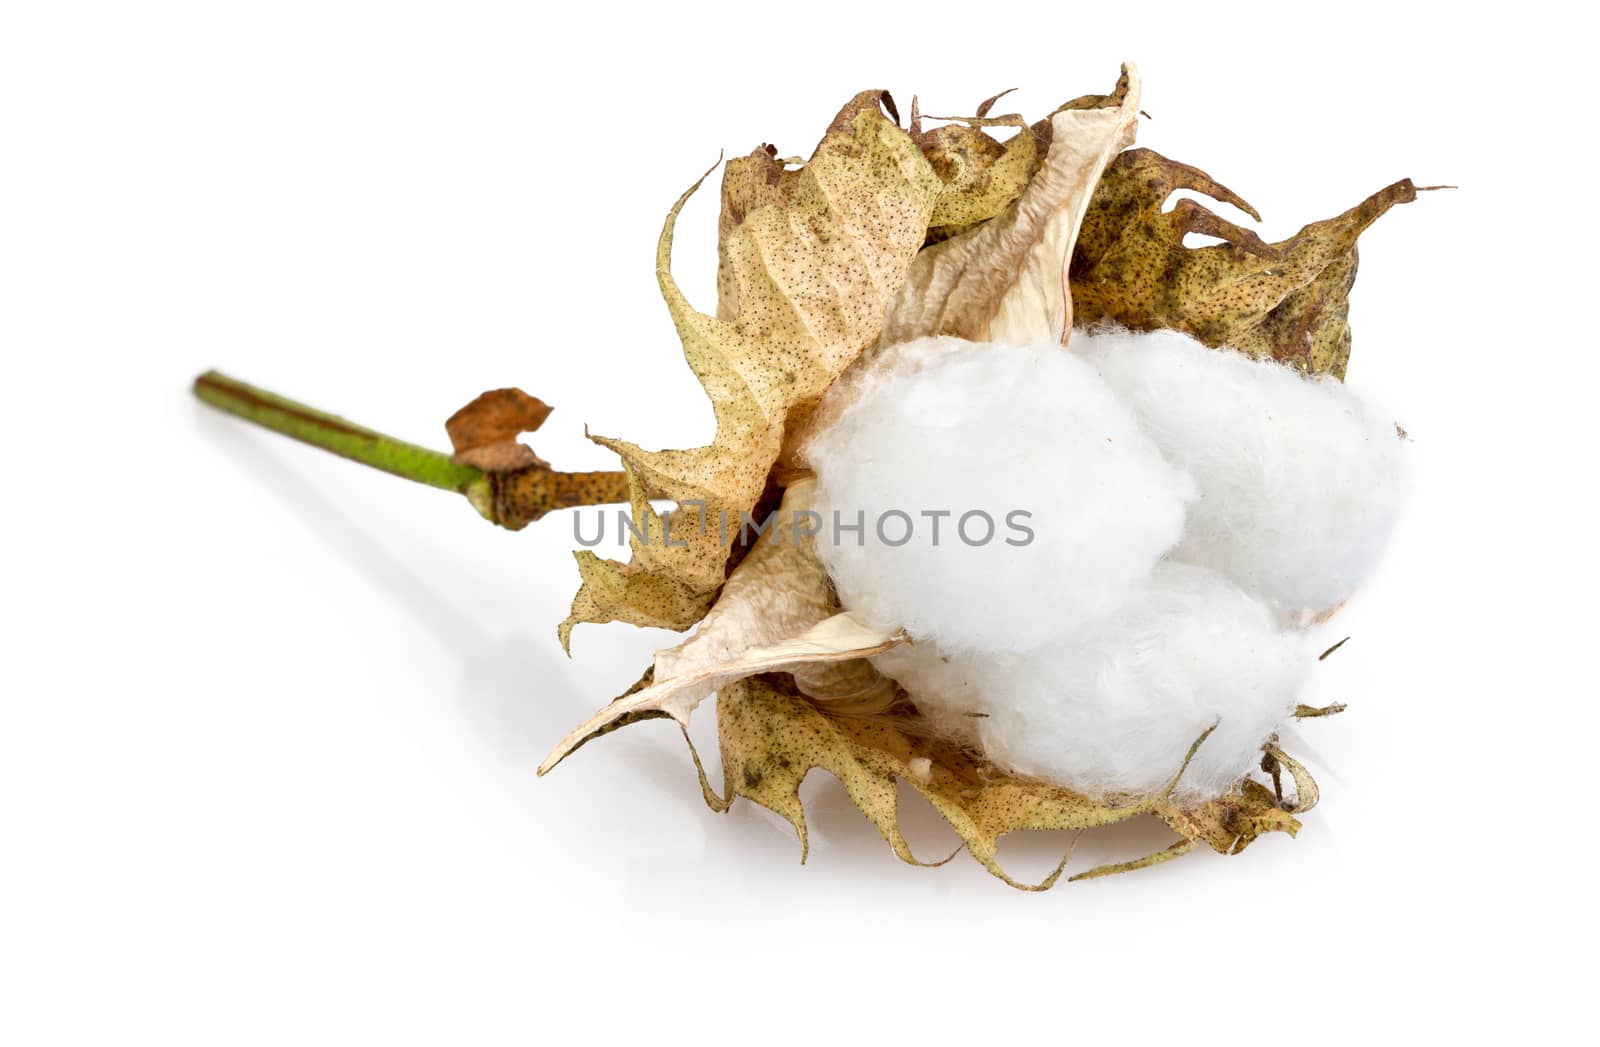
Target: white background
(270, 720)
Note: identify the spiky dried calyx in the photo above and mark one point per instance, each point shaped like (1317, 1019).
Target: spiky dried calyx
(819, 265)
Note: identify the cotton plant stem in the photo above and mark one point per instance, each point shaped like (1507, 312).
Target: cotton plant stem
(509, 499)
(332, 433)
(529, 494)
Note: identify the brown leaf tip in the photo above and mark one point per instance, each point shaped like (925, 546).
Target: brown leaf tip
(495, 417)
(484, 433)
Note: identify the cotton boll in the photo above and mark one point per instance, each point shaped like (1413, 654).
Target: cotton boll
(1114, 709)
(1300, 480)
(1005, 495)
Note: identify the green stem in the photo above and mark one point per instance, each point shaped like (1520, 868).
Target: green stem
(511, 499)
(332, 433)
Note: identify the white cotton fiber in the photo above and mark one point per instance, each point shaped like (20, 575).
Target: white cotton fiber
(1300, 480)
(1113, 709)
(1067, 504)
(1183, 504)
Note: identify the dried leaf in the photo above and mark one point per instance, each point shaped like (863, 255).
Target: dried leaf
(1324, 655)
(982, 175)
(776, 612)
(485, 431)
(1006, 279)
(1177, 850)
(779, 590)
(1304, 712)
(637, 592)
(809, 261)
(771, 739)
(988, 103)
(612, 592)
(1288, 301)
(1231, 823)
(1306, 793)
(840, 638)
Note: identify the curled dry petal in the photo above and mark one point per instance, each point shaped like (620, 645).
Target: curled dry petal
(779, 590)
(776, 613)
(982, 175)
(486, 430)
(840, 638)
(1306, 793)
(1006, 280)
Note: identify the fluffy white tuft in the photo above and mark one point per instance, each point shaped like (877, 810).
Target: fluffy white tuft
(1086, 657)
(1113, 709)
(1032, 438)
(1300, 479)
